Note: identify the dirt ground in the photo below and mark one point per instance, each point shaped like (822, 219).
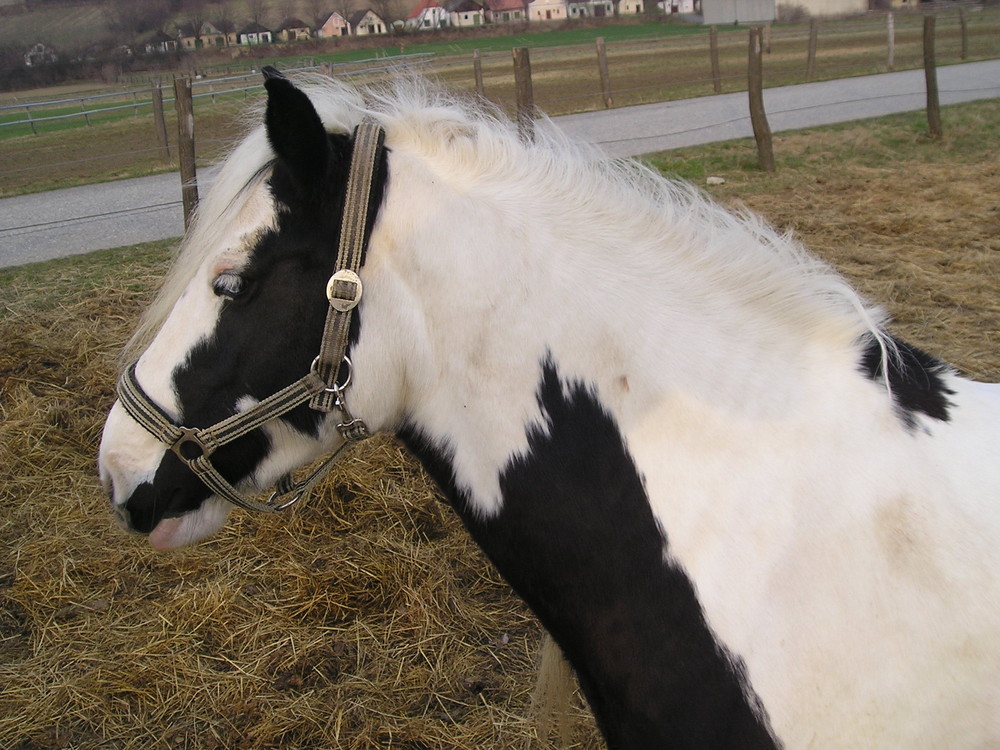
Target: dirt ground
(366, 618)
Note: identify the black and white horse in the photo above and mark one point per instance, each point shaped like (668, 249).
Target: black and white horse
(749, 517)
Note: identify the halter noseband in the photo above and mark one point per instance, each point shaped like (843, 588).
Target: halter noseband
(322, 387)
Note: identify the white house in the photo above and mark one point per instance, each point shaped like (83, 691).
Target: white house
(367, 22)
(591, 8)
(547, 10)
(679, 6)
(254, 33)
(632, 7)
(464, 13)
(428, 14)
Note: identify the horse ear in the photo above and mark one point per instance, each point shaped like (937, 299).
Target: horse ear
(294, 129)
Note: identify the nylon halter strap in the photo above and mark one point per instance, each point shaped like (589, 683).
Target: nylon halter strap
(322, 387)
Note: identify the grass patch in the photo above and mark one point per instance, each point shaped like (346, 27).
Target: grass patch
(41, 287)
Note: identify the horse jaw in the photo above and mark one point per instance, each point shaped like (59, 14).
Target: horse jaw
(191, 528)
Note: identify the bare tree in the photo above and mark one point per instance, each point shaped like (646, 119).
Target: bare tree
(318, 11)
(257, 9)
(127, 19)
(223, 18)
(384, 9)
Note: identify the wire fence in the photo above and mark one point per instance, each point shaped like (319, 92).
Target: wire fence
(106, 136)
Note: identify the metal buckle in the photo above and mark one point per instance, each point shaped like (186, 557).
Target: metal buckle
(335, 290)
(190, 438)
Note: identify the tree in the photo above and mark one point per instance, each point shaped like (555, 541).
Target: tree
(318, 12)
(257, 9)
(127, 19)
(223, 18)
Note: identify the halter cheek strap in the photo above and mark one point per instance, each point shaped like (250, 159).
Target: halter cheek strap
(323, 386)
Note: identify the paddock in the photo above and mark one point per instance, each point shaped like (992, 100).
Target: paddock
(367, 618)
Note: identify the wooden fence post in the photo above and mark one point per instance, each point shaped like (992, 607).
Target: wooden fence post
(184, 105)
(525, 95)
(160, 122)
(713, 50)
(890, 31)
(602, 68)
(811, 54)
(963, 24)
(758, 117)
(477, 69)
(930, 76)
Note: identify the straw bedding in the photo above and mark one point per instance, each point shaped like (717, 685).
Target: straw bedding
(365, 619)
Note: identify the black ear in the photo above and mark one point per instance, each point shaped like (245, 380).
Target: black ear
(295, 130)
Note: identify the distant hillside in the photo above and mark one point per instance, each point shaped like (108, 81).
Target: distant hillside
(76, 24)
(63, 25)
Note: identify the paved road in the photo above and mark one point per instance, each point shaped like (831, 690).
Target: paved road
(93, 217)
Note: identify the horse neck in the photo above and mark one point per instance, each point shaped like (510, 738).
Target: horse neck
(626, 295)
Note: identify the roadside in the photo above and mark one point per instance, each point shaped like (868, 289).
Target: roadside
(93, 217)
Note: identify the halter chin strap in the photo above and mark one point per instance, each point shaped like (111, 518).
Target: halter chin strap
(322, 387)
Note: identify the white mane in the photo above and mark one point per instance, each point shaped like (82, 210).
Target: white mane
(739, 254)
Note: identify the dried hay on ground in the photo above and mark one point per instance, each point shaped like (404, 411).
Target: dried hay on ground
(366, 618)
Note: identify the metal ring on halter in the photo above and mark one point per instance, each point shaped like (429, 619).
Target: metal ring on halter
(336, 388)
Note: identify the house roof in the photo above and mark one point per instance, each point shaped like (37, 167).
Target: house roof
(332, 16)
(501, 5)
(253, 28)
(205, 29)
(358, 16)
(161, 37)
(421, 7)
(292, 23)
(462, 6)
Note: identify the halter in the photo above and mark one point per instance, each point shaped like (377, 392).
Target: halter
(322, 387)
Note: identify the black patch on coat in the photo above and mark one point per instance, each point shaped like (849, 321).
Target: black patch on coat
(576, 538)
(916, 379)
(267, 336)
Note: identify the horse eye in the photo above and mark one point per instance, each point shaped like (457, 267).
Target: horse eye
(228, 284)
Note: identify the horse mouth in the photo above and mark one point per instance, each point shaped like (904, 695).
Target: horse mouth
(168, 534)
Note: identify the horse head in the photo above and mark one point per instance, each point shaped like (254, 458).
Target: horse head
(245, 331)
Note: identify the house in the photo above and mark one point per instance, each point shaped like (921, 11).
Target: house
(253, 33)
(367, 22)
(633, 7)
(335, 25)
(294, 30)
(40, 54)
(591, 8)
(160, 42)
(428, 14)
(669, 7)
(506, 11)
(464, 13)
(547, 10)
(205, 35)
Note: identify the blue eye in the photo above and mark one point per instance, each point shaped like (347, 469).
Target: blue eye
(228, 284)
